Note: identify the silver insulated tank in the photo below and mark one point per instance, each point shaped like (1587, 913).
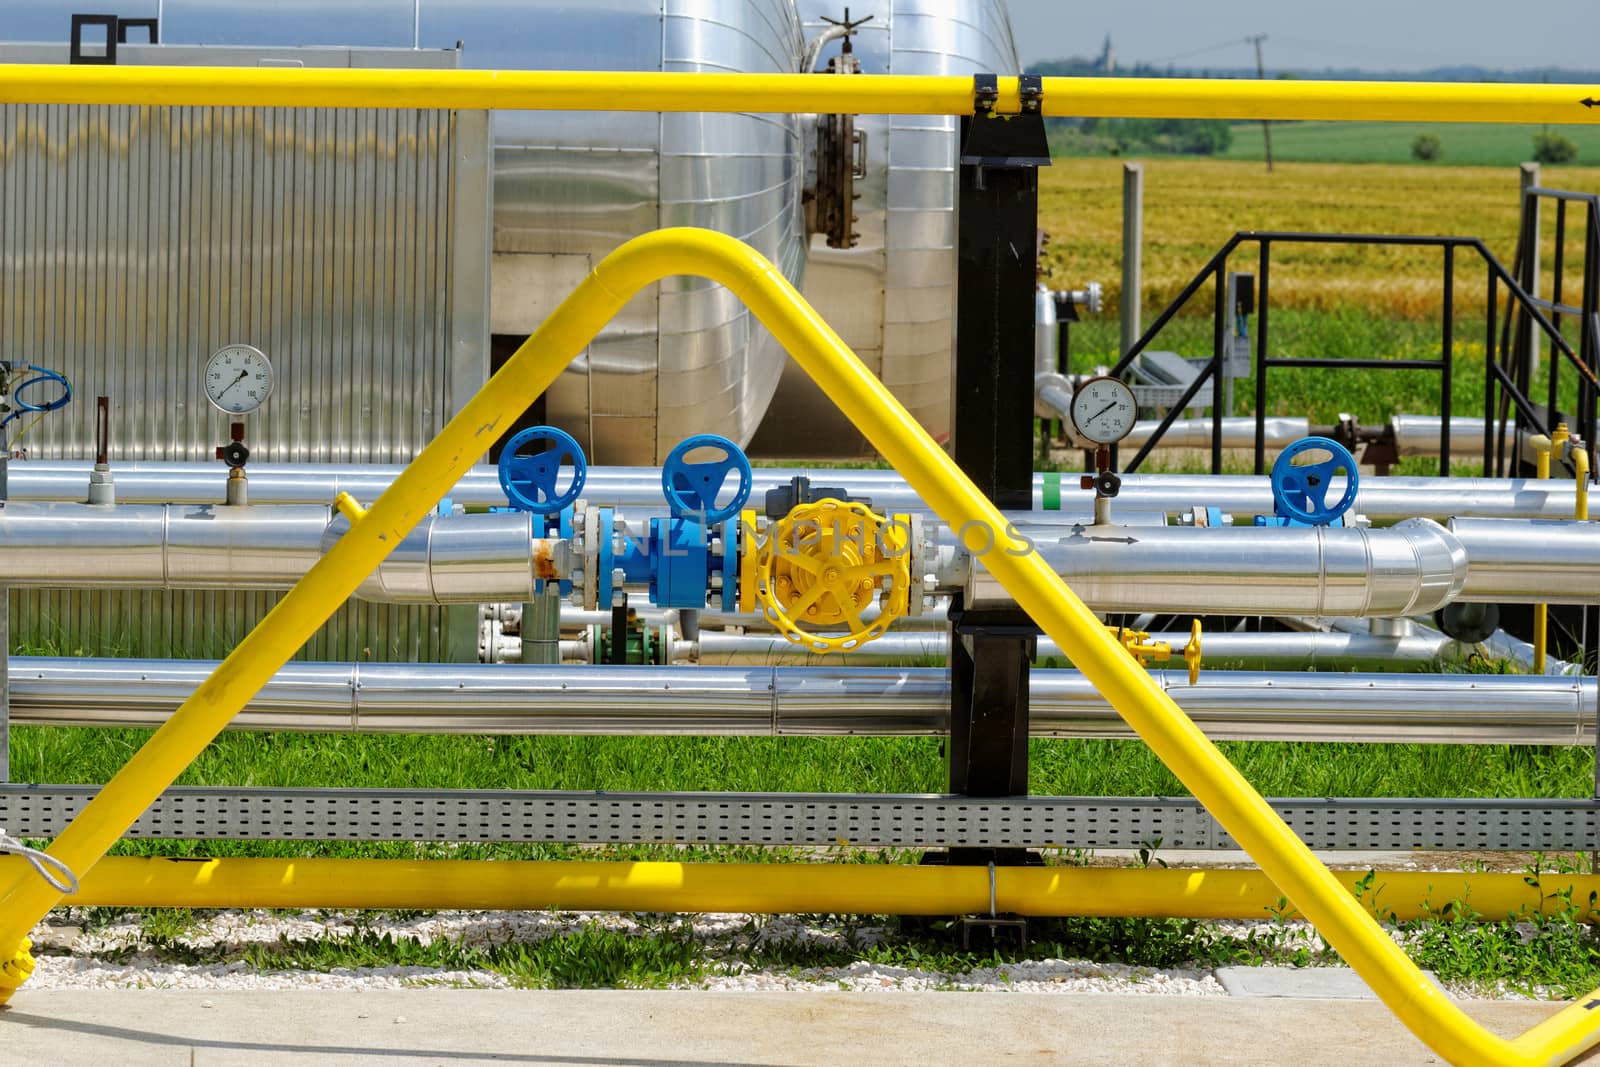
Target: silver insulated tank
(892, 296)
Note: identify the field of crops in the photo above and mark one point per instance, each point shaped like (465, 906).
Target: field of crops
(1191, 207)
(1464, 144)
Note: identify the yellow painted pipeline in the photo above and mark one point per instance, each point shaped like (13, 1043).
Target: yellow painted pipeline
(883, 94)
(1283, 857)
(776, 888)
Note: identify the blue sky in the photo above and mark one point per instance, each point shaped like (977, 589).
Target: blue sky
(1367, 34)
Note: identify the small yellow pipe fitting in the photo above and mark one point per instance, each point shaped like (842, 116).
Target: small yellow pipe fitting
(347, 506)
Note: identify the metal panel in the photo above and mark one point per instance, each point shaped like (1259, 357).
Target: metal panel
(821, 819)
(351, 246)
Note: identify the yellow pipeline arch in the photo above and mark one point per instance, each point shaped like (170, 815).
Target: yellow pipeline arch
(1416, 1000)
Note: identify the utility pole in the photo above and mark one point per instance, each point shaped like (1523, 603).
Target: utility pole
(1261, 72)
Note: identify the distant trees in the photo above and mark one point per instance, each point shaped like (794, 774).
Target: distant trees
(1118, 137)
(1426, 148)
(1554, 148)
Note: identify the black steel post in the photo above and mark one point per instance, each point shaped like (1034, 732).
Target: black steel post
(996, 276)
(996, 268)
(1490, 431)
(1589, 326)
(1554, 399)
(1263, 295)
(1447, 355)
(1219, 340)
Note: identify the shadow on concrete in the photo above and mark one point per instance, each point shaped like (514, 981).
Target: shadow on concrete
(151, 1037)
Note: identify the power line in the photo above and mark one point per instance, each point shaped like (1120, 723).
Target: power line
(1199, 51)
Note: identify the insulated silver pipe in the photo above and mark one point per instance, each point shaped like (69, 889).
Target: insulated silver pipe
(1381, 499)
(1515, 562)
(1412, 568)
(1301, 651)
(801, 701)
(445, 560)
(1236, 433)
(1423, 435)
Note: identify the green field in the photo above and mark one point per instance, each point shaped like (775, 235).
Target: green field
(1465, 144)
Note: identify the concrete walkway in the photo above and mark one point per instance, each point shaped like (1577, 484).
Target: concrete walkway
(692, 1029)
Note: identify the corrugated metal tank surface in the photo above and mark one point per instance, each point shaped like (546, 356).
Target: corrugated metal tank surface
(892, 297)
(136, 241)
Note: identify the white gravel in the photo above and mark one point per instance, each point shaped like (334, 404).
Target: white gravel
(120, 955)
(123, 954)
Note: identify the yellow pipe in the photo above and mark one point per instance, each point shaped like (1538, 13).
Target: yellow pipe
(1541, 612)
(862, 94)
(772, 888)
(1580, 472)
(1284, 858)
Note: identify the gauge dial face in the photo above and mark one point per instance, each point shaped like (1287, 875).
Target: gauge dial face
(238, 379)
(1103, 410)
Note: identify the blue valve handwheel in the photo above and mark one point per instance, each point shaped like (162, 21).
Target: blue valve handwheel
(530, 479)
(1300, 492)
(692, 489)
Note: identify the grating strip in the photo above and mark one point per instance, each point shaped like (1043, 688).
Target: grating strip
(865, 820)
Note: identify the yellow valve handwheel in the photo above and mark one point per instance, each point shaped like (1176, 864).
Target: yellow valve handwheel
(823, 563)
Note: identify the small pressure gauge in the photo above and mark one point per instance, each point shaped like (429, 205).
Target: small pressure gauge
(1103, 410)
(238, 379)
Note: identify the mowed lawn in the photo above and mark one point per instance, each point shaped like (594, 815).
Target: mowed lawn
(1468, 143)
(1192, 206)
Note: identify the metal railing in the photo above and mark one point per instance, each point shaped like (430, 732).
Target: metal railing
(1501, 380)
(1517, 357)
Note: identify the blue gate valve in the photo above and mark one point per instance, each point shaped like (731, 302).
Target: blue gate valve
(1300, 491)
(530, 482)
(530, 479)
(677, 557)
(692, 489)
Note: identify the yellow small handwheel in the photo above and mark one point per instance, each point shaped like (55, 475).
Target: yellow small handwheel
(821, 566)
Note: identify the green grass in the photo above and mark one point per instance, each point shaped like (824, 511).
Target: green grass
(1465, 144)
(913, 765)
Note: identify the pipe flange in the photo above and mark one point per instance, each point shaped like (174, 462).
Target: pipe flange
(588, 569)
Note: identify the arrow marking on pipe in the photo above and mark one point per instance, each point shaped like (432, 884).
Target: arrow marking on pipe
(1589, 101)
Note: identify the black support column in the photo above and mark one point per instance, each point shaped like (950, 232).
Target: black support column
(996, 273)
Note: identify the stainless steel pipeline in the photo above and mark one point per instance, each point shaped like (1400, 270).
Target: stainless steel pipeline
(1422, 435)
(1546, 561)
(445, 560)
(801, 701)
(1301, 651)
(1413, 567)
(1381, 499)
(1281, 432)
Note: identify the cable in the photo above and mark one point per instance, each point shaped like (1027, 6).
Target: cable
(1198, 51)
(47, 865)
(43, 375)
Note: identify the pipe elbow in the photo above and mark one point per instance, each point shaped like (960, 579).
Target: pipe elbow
(1416, 567)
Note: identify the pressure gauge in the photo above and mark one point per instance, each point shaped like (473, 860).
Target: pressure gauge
(238, 379)
(1103, 410)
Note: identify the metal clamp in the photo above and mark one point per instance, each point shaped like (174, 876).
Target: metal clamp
(1032, 86)
(985, 93)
